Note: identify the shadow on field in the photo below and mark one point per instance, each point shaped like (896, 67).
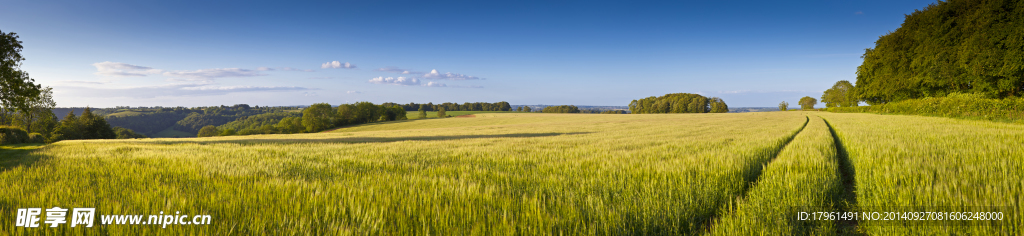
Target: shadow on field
(368, 125)
(374, 139)
(12, 156)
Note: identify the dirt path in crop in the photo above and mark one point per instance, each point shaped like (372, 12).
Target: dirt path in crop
(466, 116)
(754, 176)
(848, 201)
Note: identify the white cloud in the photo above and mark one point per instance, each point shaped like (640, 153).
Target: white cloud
(396, 81)
(435, 84)
(448, 76)
(337, 64)
(263, 68)
(108, 68)
(309, 94)
(353, 92)
(170, 90)
(213, 73)
(397, 70)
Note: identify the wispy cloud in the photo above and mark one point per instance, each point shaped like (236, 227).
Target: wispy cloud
(395, 81)
(322, 78)
(336, 65)
(309, 94)
(448, 76)
(108, 68)
(213, 73)
(353, 92)
(171, 90)
(435, 84)
(397, 70)
(859, 13)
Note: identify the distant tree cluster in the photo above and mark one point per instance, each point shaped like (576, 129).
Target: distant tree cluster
(678, 103)
(599, 111)
(476, 106)
(807, 103)
(315, 118)
(561, 109)
(88, 126)
(955, 46)
(783, 106)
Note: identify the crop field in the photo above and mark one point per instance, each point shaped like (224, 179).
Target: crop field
(930, 162)
(532, 173)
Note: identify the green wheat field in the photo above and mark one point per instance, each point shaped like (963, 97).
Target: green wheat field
(537, 174)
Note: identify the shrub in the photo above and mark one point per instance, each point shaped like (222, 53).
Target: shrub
(955, 105)
(13, 135)
(36, 138)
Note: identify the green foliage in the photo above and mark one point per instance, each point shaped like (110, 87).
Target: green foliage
(16, 88)
(955, 105)
(88, 126)
(442, 113)
(807, 103)
(291, 125)
(227, 132)
(195, 121)
(967, 46)
(840, 95)
(366, 112)
(319, 117)
(675, 103)
(124, 133)
(255, 123)
(783, 106)
(527, 109)
(208, 131)
(36, 138)
(346, 114)
(148, 124)
(614, 112)
(392, 113)
(561, 109)
(519, 109)
(423, 113)
(13, 135)
(476, 106)
(718, 105)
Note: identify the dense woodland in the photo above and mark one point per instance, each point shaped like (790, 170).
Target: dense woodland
(678, 103)
(476, 106)
(956, 46)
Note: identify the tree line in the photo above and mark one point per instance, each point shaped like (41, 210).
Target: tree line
(448, 106)
(678, 103)
(315, 118)
(955, 46)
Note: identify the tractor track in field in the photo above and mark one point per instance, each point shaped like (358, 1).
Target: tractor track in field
(752, 178)
(848, 201)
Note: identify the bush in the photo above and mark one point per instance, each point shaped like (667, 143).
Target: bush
(36, 138)
(955, 105)
(13, 135)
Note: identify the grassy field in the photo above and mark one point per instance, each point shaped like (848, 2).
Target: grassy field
(493, 174)
(533, 173)
(928, 162)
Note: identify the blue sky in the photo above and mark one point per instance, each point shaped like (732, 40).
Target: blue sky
(197, 53)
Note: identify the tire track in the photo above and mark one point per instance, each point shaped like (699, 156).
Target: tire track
(848, 201)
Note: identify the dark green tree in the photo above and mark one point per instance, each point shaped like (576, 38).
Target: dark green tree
(441, 113)
(783, 106)
(17, 89)
(318, 117)
(346, 114)
(840, 95)
(527, 109)
(807, 103)
(718, 105)
(955, 46)
(208, 131)
(423, 112)
(123, 133)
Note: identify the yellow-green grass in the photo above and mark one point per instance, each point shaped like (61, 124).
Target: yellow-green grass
(931, 162)
(433, 114)
(805, 174)
(495, 174)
